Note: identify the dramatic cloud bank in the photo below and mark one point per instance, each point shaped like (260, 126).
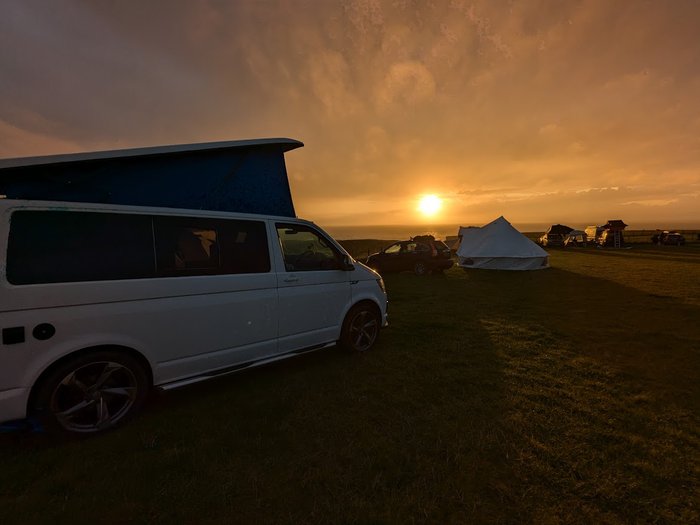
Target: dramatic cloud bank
(541, 110)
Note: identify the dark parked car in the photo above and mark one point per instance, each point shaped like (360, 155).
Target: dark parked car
(421, 255)
(551, 239)
(666, 237)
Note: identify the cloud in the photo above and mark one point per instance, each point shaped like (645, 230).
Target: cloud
(77, 70)
(500, 106)
(405, 84)
(18, 142)
(331, 84)
(365, 15)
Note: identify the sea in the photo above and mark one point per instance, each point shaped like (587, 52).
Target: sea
(442, 231)
(397, 232)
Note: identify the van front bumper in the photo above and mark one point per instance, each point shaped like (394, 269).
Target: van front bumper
(13, 404)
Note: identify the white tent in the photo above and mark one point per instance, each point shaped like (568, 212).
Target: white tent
(499, 246)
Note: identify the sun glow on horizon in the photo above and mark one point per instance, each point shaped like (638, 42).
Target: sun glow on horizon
(429, 205)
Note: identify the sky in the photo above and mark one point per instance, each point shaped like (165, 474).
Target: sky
(544, 111)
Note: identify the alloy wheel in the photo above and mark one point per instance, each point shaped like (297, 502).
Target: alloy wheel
(363, 331)
(94, 396)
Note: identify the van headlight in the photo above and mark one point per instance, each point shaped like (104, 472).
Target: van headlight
(380, 282)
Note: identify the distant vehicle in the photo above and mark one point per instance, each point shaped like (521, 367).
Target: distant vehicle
(575, 238)
(555, 235)
(607, 238)
(551, 239)
(668, 238)
(593, 233)
(421, 255)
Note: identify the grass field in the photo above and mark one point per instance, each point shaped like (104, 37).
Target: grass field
(564, 395)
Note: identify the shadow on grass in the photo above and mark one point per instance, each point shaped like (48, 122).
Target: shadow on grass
(408, 431)
(493, 397)
(690, 254)
(601, 391)
(654, 339)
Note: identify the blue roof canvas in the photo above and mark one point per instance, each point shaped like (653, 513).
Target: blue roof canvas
(247, 176)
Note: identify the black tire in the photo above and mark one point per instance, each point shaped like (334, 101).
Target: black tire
(420, 268)
(91, 393)
(361, 328)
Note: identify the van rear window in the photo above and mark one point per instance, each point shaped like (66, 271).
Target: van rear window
(59, 246)
(65, 246)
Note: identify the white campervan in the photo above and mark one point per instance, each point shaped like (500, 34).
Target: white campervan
(99, 303)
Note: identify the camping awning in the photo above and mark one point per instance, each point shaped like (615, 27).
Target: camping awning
(559, 229)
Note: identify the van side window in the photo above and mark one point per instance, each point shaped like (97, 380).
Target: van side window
(47, 246)
(306, 250)
(186, 246)
(244, 247)
(63, 246)
(199, 246)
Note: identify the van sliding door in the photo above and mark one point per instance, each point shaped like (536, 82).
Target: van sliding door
(225, 309)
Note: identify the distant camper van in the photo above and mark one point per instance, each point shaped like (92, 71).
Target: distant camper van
(593, 234)
(100, 302)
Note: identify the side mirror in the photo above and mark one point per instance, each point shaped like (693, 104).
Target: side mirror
(346, 264)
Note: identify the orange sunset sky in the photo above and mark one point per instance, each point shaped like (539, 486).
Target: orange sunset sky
(543, 111)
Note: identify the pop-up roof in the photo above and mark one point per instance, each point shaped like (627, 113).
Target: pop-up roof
(247, 176)
(559, 229)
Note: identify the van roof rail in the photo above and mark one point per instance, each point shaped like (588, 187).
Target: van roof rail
(283, 144)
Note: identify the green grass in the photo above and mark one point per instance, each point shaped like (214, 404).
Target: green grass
(564, 395)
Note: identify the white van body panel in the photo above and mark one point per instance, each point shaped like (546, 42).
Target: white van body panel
(363, 289)
(185, 326)
(313, 304)
(13, 403)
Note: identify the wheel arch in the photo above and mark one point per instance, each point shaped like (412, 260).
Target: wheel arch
(369, 304)
(365, 300)
(424, 264)
(85, 351)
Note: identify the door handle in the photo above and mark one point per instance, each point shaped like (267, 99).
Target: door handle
(291, 279)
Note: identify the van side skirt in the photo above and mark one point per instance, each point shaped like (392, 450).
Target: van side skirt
(241, 366)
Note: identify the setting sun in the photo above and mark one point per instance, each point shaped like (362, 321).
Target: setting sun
(429, 205)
